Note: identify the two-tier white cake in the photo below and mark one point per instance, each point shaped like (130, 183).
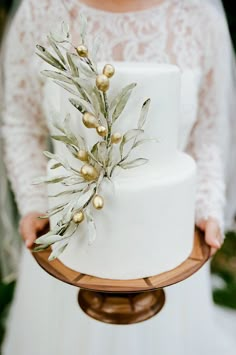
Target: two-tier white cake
(147, 224)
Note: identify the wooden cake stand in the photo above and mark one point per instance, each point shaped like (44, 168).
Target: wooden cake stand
(125, 301)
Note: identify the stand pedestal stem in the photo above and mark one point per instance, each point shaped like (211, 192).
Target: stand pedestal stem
(121, 308)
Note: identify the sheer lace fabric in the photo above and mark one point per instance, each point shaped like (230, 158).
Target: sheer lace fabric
(184, 33)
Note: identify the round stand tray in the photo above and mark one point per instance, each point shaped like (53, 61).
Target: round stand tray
(125, 301)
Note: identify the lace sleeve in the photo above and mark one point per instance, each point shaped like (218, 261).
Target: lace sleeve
(24, 130)
(205, 139)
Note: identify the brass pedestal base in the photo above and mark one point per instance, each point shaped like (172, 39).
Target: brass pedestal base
(118, 308)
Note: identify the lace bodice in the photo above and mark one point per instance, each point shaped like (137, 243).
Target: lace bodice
(183, 32)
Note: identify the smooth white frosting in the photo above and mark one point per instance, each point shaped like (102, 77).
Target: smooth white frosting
(146, 226)
(160, 83)
(151, 208)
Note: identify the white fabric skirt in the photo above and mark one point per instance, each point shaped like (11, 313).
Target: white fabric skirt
(45, 319)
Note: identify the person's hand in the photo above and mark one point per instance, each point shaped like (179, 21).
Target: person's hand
(30, 227)
(213, 236)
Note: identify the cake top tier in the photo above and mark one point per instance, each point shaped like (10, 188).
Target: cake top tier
(160, 83)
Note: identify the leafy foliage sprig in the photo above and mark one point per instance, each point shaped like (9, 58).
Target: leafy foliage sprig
(75, 70)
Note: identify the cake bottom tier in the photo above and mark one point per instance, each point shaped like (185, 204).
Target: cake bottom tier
(146, 226)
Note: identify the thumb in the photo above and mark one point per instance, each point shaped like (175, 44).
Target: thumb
(212, 234)
(28, 232)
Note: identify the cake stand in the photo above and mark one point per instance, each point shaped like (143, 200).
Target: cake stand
(125, 301)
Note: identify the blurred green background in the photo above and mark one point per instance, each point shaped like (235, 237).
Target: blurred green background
(223, 264)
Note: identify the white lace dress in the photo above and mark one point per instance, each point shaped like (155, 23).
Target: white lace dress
(45, 318)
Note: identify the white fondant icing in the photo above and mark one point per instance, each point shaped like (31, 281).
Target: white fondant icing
(147, 224)
(160, 83)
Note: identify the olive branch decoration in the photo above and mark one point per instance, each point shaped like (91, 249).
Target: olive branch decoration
(75, 70)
